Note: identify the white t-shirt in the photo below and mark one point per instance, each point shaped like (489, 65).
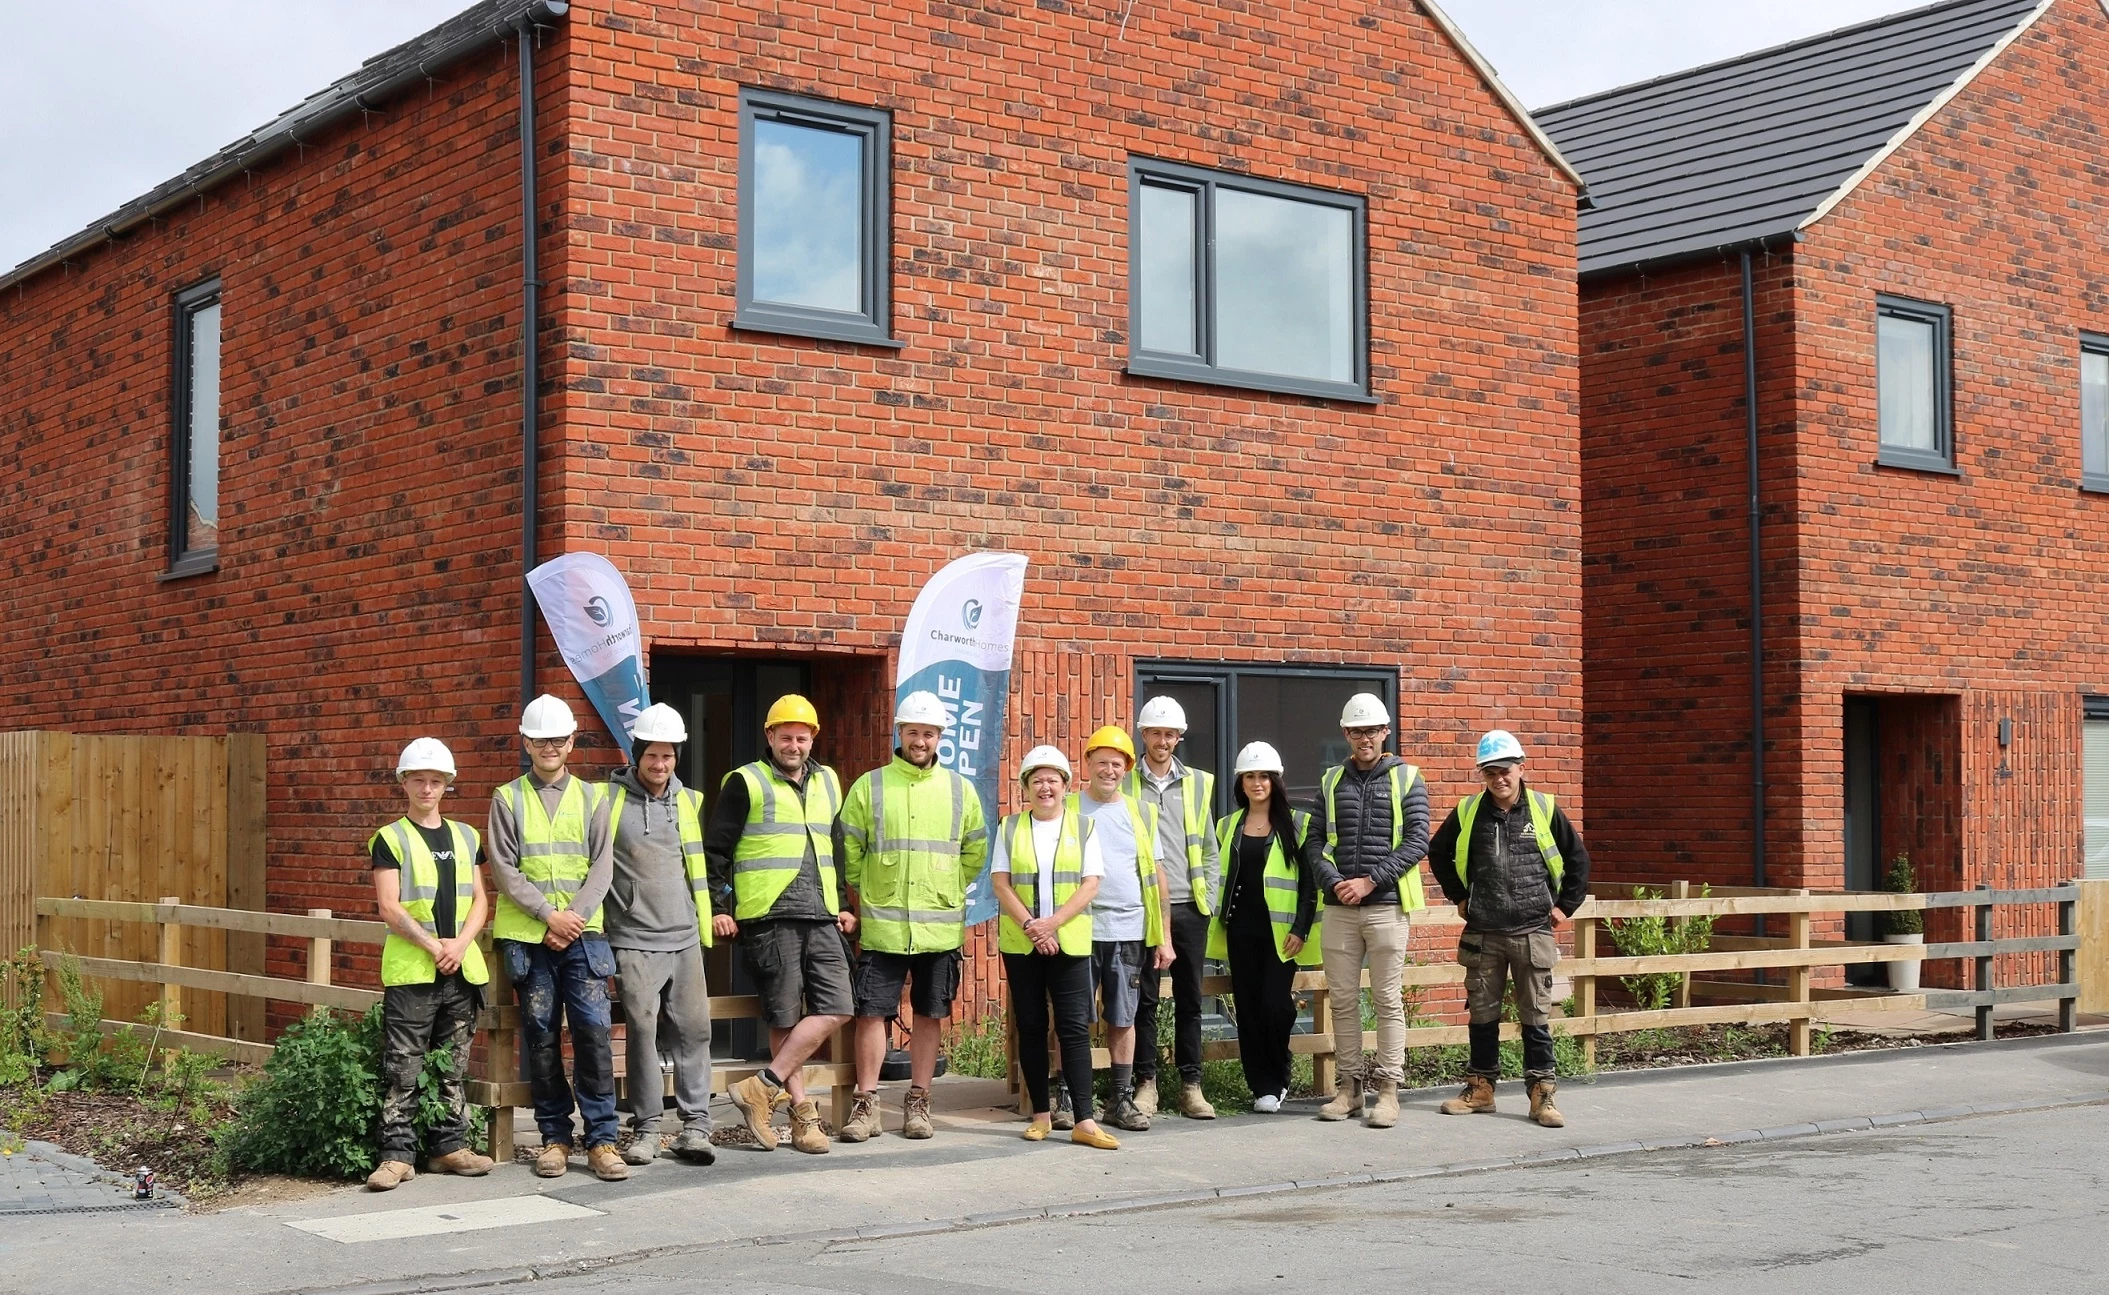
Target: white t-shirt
(1047, 836)
(1117, 912)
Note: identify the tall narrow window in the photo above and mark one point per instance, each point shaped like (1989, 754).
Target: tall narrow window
(1246, 283)
(1912, 385)
(2094, 412)
(194, 461)
(815, 233)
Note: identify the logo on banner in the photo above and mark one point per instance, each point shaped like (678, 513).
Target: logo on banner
(970, 615)
(597, 609)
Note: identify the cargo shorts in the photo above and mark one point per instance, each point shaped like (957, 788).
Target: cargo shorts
(1491, 961)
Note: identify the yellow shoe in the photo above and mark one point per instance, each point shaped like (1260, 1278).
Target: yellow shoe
(1099, 1138)
(1035, 1132)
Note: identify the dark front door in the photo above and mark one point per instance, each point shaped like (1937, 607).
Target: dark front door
(1863, 822)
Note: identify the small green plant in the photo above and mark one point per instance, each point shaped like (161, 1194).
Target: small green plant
(1901, 879)
(23, 1038)
(1646, 937)
(976, 1048)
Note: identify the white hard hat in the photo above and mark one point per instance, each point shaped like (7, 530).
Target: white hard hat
(1161, 712)
(1365, 710)
(922, 708)
(1258, 757)
(660, 723)
(425, 755)
(1045, 757)
(1499, 746)
(547, 716)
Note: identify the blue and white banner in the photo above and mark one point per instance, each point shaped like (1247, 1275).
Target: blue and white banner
(594, 622)
(957, 644)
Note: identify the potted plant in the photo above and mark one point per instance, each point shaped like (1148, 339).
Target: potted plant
(1902, 925)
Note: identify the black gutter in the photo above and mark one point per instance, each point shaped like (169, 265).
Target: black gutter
(1757, 597)
(1662, 263)
(530, 350)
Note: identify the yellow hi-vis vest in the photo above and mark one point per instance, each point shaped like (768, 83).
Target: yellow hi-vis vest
(1540, 826)
(1143, 819)
(1402, 777)
(405, 963)
(552, 853)
(1279, 885)
(688, 816)
(780, 821)
(911, 841)
(1016, 833)
(1197, 800)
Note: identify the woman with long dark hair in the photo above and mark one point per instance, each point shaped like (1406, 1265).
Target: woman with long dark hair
(1265, 911)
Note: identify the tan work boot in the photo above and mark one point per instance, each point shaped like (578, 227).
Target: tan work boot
(915, 1114)
(1541, 1108)
(806, 1133)
(1193, 1105)
(462, 1161)
(1146, 1095)
(388, 1173)
(758, 1102)
(863, 1121)
(606, 1163)
(1347, 1099)
(1476, 1099)
(554, 1160)
(1385, 1112)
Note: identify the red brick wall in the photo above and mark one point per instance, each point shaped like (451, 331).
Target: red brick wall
(369, 476)
(769, 493)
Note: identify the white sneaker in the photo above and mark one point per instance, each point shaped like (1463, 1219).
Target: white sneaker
(1269, 1104)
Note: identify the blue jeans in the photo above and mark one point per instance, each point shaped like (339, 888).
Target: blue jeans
(552, 986)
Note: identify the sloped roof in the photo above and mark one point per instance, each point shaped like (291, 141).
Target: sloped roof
(1762, 145)
(379, 79)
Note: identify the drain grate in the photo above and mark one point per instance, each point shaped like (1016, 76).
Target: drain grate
(162, 1203)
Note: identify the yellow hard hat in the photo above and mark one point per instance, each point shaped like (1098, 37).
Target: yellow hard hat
(792, 709)
(1112, 735)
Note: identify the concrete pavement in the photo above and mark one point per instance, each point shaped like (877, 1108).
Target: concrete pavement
(977, 1175)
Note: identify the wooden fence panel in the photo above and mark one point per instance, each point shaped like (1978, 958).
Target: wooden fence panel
(18, 841)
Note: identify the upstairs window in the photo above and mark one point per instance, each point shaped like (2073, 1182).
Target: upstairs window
(2094, 412)
(815, 221)
(194, 460)
(1911, 375)
(1246, 283)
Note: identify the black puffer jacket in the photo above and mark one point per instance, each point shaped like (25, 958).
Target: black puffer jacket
(1363, 847)
(1507, 888)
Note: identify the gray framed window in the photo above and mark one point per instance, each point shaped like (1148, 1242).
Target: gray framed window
(2094, 412)
(1247, 283)
(194, 447)
(816, 228)
(1913, 387)
(1294, 708)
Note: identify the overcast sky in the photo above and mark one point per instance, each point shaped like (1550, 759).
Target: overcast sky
(104, 99)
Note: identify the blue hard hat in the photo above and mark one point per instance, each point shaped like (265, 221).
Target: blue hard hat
(1497, 747)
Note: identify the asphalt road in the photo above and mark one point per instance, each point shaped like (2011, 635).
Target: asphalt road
(2000, 1203)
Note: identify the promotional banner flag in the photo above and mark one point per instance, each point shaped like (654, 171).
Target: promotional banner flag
(591, 616)
(957, 644)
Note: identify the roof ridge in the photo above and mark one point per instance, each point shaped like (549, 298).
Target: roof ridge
(1753, 55)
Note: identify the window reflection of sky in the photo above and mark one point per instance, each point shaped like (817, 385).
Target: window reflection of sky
(808, 217)
(1284, 287)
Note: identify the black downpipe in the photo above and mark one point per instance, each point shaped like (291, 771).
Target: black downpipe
(530, 377)
(1757, 603)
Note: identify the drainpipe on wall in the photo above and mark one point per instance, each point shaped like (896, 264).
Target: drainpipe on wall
(1757, 603)
(530, 309)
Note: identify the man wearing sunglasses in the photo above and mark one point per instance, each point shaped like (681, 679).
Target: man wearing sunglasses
(1514, 866)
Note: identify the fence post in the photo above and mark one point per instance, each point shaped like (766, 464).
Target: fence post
(1322, 1023)
(318, 953)
(1984, 961)
(1798, 985)
(1585, 986)
(2068, 924)
(840, 1096)
(501, 1057)
(171, 956)
(1681, 890)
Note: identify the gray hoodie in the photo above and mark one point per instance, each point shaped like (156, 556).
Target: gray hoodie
(650, 905)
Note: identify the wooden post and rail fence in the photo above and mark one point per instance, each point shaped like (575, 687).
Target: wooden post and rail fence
(2081, 947)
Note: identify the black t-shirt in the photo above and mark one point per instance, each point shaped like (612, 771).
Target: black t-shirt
(440, 841)
(1248, 903)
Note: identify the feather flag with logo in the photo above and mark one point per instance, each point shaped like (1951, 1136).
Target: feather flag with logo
(594, 622)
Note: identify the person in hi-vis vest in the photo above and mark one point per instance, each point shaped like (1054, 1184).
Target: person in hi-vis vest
(1183, 800)
(552, 857)
(432, 974)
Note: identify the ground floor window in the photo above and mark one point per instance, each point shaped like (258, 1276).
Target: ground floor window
(1296, 708)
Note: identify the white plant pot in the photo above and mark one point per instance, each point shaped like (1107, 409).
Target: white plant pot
(1904, 976)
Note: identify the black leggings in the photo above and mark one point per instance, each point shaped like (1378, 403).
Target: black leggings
(1035, 978)
(1263, 987)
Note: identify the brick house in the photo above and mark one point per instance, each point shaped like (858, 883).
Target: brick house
(1912, 471)
(1255, 329)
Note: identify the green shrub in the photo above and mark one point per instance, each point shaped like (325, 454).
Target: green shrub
(976, 1049)
(23, 1038)
(1901, 879)
(1645, 937)
(316, 1111)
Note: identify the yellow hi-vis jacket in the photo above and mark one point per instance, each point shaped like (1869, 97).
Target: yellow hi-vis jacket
(1279, 884)
(1197, 802)
(405, 963)
(552, 853)
(780, 823)
(1016, 833)
(912, 839)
